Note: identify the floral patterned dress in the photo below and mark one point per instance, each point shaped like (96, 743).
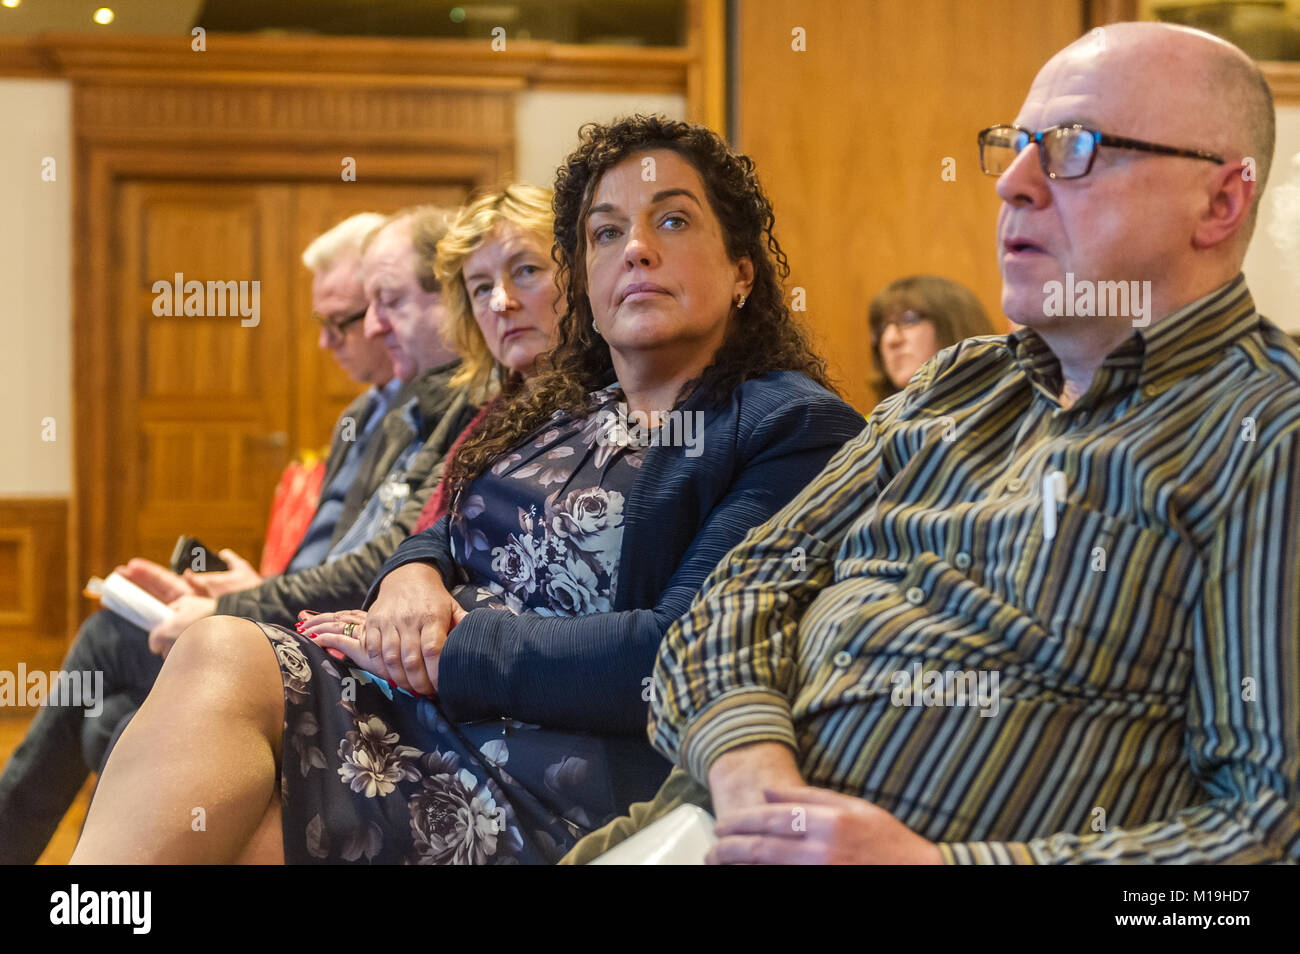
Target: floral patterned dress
(374, 774)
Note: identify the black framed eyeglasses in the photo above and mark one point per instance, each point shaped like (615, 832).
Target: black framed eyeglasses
(904, 320)
(1065, 152)
(338, 328)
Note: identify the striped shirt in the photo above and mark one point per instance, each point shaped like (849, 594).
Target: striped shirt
(1125, 688)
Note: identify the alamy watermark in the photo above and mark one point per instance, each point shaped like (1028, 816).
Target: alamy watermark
(83, 689)
(950, 688)
(195, 299)
(623, 428)
(129, 908)
(1089, 299)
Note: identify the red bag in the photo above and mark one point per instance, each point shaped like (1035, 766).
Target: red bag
(292, 508)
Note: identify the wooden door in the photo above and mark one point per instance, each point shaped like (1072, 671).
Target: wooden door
(209, 408)
(204, 411)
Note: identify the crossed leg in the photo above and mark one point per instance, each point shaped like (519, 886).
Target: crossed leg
(194, 779)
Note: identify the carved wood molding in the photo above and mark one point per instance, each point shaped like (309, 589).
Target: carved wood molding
(188, 113)
(350, 61)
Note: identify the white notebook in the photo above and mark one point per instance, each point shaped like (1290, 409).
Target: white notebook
(682, 837)
(128, 601)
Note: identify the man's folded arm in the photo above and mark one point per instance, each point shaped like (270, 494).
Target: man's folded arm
(723, 676)
(1243, 737)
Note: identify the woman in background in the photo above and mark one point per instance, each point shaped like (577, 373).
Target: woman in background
(913, 319)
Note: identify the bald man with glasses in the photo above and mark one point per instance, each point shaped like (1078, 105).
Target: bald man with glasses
(1045, 609)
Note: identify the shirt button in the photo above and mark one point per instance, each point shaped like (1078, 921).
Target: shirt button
(842, 660)
(915, 595)
(962, 560)
(1151, 391)
(1014, 484)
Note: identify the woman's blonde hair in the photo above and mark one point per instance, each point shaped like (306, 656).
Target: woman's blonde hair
(526, 207)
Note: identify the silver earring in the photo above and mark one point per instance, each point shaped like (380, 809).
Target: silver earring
(595, 329)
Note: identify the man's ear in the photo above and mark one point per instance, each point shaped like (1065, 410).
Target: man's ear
(1231, 191)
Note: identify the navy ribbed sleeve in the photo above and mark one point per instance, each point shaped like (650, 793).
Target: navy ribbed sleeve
(592, 673)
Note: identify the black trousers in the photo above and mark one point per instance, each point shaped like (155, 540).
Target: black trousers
(64, 744)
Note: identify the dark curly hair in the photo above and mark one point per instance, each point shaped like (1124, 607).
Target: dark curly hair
(761, 338)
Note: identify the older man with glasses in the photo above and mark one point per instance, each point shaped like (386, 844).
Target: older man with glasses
(1046, 607)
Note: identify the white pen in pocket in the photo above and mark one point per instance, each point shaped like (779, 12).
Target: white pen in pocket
(1053, 493)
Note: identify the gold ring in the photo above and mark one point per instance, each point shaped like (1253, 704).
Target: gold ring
(348, 628)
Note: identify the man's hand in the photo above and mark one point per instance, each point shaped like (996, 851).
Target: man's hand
(185, 611)
(806, 825)
(405, 629)
(158, 581)
(240, 576)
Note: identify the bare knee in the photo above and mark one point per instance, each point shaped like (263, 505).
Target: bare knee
(232, 663)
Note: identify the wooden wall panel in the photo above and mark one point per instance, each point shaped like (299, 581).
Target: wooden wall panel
(851, 134)
(33, 582)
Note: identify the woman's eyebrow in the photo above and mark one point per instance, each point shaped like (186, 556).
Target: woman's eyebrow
(655, 199)
(669, 193)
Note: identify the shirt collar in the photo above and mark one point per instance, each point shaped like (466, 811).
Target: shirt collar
(1152, 358)
(382, 398)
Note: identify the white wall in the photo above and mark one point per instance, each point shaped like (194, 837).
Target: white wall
(35, 287)
(546, 124)
(1273, 261)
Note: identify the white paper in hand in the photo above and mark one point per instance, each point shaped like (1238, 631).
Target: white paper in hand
(682, 837)
(128, 601)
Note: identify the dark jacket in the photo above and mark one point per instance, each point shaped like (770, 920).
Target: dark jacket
(358, 414)
(684, 514)
(342, 583)
(392, 436)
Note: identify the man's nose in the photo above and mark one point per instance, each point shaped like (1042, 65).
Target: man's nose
(324, 340)
(1024, 182)
(372, 324)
